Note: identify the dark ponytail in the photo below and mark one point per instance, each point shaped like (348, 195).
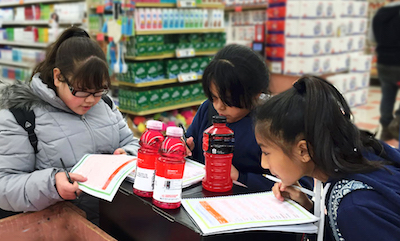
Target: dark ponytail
(315, 111)
(69, 53)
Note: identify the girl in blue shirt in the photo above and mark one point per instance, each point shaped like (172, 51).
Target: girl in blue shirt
(233, 82)
(307, 131)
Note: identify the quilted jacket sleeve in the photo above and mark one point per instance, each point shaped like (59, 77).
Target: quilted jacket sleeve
(22, 188)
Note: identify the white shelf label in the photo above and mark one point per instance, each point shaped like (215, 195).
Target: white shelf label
(186, 3)
(184, 53)
(186, 77)
(276, 67)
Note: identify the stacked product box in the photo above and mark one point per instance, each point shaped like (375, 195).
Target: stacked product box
(141, 72)
(315, 37)
(142, 100)
(242, 26)
(148, 45)
(354, 84)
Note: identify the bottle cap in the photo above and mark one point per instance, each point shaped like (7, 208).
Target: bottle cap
(154, 124)
(174, 131)
(219, 119)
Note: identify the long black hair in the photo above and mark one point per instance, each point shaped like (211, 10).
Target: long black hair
(239, 74)
(80, 60)
(314, 111)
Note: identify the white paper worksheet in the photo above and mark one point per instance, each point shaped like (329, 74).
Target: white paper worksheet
(104, 173)
(250, 212)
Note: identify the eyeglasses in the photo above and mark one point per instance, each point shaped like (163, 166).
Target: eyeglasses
(84, 94)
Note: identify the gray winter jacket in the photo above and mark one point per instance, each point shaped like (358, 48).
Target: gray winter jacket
(27, 180)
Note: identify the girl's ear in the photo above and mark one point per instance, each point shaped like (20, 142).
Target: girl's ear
(56, 77)
(303, 151)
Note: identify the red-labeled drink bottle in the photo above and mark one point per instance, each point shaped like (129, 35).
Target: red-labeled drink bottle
(150, 143)
(218, 145)
(169, 170)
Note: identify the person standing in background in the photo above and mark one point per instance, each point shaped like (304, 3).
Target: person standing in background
(385, 31)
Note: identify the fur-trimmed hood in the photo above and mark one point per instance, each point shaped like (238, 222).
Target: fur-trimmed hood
(19, 95)
(28, 96)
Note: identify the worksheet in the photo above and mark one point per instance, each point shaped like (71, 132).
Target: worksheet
(104, 172)
(254, 211)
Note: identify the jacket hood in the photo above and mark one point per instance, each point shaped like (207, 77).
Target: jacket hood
(19, 95)
(28, 96)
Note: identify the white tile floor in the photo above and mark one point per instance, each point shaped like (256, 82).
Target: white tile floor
(366, 117)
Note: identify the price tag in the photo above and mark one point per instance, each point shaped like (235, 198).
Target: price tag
(186, 3)
(276, 67)
(184, 53)
(186, 77)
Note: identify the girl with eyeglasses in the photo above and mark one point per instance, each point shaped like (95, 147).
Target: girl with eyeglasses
(72, 119)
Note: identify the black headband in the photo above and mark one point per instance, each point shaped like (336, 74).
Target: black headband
(81, 33)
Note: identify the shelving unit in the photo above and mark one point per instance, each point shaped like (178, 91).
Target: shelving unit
(167, 56)
(237, 8)
(142, 57)
(162, 109)
(180, 31)
(22, 2)
(25, 46)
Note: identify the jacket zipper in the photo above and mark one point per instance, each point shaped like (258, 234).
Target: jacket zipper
(83, 118)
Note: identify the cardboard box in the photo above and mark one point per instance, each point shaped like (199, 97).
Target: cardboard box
(62, 221)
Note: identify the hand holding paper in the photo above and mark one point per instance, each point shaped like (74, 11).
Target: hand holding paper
(104, 173)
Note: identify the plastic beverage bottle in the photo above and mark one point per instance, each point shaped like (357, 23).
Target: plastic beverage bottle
(150, 143)
(169, 170)
(218, 145)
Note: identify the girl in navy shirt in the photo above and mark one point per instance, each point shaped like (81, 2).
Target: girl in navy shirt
(233, 83)
(308, 131)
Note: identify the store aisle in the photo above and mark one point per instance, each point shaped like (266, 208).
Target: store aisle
(366, 117)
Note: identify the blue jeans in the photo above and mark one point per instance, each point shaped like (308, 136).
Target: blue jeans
(389, 77)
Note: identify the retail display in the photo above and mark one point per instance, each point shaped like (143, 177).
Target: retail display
(32, 26)
(246, 23)
(159, 65)
(321, 37)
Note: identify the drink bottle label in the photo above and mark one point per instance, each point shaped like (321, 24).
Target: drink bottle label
(218, 143)
(145, 171)
(167, 190)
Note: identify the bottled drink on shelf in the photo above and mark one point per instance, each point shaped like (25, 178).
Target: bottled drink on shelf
(150, 143)
(218, 145)
(169, 170)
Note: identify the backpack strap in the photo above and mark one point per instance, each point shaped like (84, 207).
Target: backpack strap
(108, 100)
(26, 119)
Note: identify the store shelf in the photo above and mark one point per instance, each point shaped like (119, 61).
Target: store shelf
(147, 84)
(25, 44)
(21, 2)
(179, 31)
(173, 5)
(38, 22)
(18, 64)
(247, 7)
(162, 109)
(166, 56)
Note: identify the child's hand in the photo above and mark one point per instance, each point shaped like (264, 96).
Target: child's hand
(234, 173)
(281, 192)
(189, 146)
(66, 189)
(119, 151)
